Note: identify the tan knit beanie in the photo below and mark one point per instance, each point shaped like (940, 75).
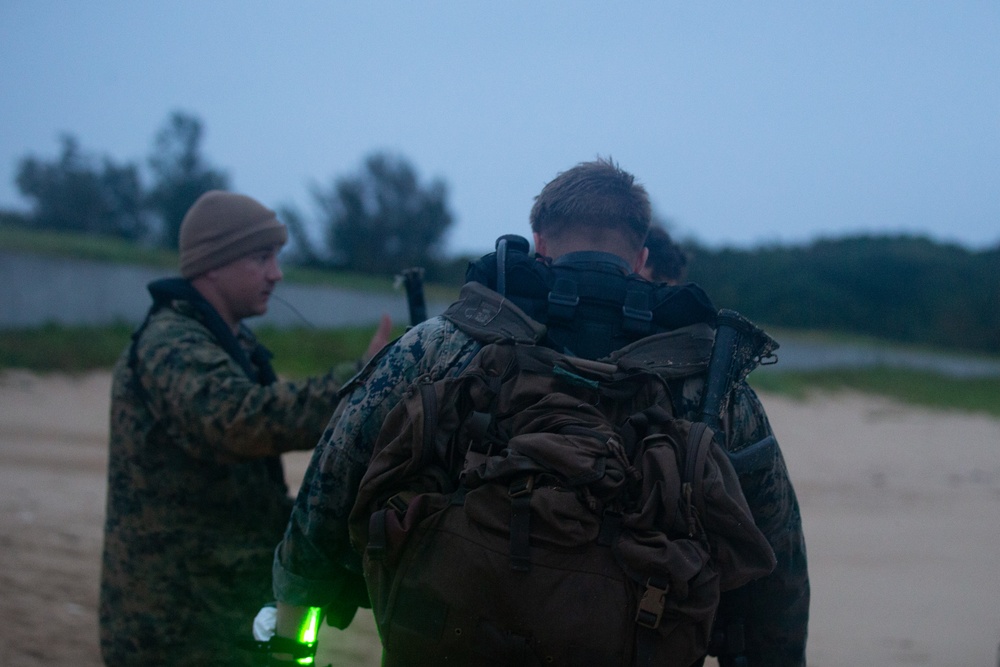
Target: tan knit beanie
(223, 226)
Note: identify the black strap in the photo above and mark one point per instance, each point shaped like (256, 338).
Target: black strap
(256, 364)
(647, 620)
(520, 523)
(377, 541)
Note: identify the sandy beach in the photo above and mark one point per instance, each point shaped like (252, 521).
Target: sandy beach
(901, 509)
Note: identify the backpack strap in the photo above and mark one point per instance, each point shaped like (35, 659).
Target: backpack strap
(491, 318)
(590, 301)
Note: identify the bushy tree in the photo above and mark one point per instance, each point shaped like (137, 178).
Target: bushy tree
(81, 193)
(301, 249)
(180, 172)
(904, 288)
(382, 220)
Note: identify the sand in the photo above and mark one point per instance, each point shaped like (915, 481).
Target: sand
(901, 509)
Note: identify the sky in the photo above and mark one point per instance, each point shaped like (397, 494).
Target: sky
(749, 123)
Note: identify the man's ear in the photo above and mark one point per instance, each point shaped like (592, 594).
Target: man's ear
(641, 260)
(541, 247)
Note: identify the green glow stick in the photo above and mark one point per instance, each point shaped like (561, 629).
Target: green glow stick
(308, 632)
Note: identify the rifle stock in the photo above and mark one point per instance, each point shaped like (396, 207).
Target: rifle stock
(740, 346)
(413, 281)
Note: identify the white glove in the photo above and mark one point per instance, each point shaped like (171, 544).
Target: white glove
(265, 623)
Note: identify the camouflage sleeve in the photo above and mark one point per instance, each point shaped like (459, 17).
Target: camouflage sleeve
(314, 563)
(209, 405)
(774, 609)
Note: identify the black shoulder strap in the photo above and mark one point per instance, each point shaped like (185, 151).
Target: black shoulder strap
(257, 364)
(590, 305)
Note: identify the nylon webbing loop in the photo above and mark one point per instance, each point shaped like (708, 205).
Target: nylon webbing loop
(377, 544)
(520, 523)
(638, 318)
(563, 300)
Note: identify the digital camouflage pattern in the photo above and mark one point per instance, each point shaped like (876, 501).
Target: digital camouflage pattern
(315, 564)
(196, 495)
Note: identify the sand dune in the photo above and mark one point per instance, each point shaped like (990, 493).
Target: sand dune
(901, 509)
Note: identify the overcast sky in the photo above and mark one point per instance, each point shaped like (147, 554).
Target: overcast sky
(748, 122)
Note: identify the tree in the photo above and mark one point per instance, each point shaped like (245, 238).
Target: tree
(382, 220)
(77, 192)
(301, 249)
(181, 174)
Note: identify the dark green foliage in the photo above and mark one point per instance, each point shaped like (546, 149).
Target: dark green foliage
(80, 193)
(180, 173)
(383, 220)
(902, 288)
(14, 219)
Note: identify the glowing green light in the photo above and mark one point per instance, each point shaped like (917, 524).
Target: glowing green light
(309, 631)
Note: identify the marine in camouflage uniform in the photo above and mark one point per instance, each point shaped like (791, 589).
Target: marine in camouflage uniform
(315, 565)
(196, 495)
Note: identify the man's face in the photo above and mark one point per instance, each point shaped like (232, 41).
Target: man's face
(245, 285)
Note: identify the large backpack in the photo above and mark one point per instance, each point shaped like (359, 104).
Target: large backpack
(543, 509)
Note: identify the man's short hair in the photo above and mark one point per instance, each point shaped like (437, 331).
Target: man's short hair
(667, 261)
(593, 198)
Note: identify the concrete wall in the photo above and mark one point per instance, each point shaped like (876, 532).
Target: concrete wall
(38, 290)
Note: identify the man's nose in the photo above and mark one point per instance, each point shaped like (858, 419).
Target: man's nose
(274, 271)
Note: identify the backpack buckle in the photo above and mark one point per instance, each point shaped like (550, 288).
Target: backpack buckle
(522, 486)
(652, 604)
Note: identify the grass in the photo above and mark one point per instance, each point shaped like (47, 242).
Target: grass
(115, 250)
(300, 353)
(83, 246)
(54, 348)
(304, 352)
(923, 388)
(60, 348)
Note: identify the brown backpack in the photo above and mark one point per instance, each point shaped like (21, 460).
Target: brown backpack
(541, 509)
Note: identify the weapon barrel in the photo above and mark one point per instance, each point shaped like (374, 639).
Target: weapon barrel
(413, 280)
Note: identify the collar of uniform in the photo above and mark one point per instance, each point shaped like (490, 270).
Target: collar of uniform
(593, 259)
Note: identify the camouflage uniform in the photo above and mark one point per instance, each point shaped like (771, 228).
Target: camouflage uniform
(196, 494)
(315, 566)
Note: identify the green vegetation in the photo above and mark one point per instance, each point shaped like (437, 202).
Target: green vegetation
(303, 352)
(58, 348)
(380, 221)
(905, 289)
(300, 353)
(82, 246)
(115, 250)
(909, 386)
(52, 348)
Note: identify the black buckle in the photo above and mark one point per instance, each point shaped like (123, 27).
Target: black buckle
(522, 487)
(651, 605)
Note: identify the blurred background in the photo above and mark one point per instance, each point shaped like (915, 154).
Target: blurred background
(826, 166)
(830, 170)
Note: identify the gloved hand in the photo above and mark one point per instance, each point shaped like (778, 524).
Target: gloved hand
(265, 623)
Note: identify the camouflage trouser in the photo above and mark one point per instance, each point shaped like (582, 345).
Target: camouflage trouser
(207, 619)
